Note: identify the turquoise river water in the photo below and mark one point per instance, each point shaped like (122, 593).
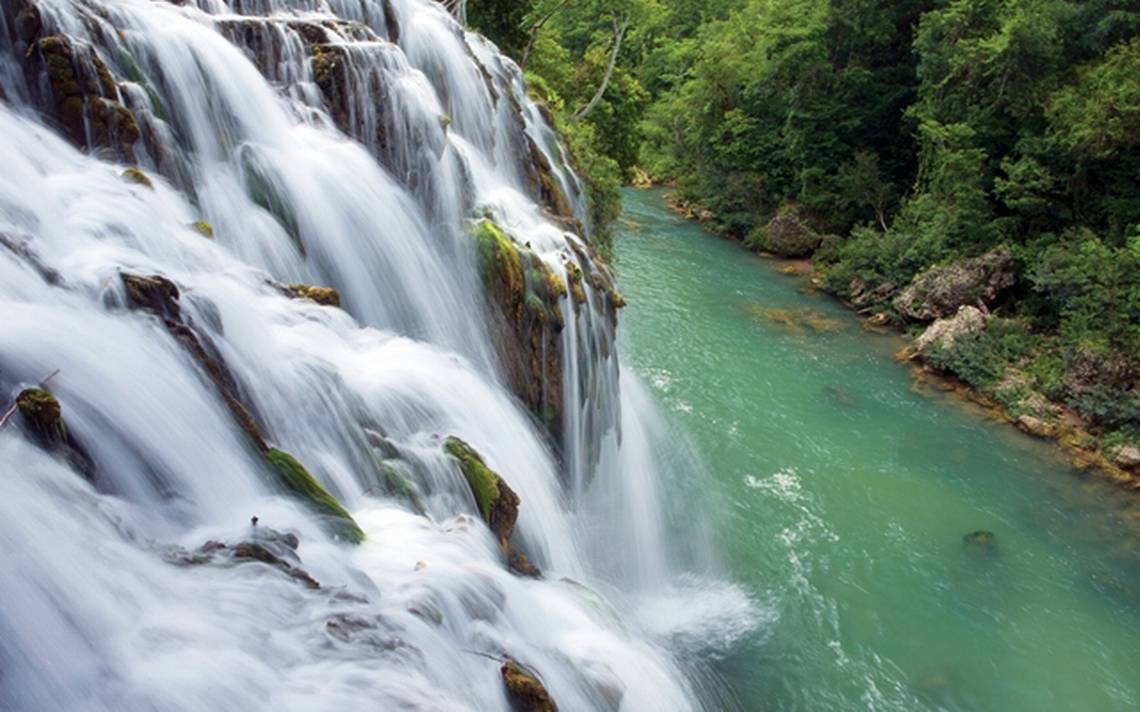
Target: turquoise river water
(839, 494)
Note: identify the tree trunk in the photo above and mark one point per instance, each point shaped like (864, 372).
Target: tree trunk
(619, 35)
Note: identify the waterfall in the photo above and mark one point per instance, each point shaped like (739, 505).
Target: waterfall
(182, 180)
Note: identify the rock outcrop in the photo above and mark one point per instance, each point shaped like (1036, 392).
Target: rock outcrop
(941, 291)
(524, 296)
(498, 504)
(76, 88)
(299, 482)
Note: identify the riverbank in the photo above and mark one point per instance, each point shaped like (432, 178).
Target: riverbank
(1031, 412)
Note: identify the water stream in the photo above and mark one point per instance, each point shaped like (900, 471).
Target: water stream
(842, 496)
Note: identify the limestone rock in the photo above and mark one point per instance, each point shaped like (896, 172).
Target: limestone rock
(300, 483)
(941, 291)
(1036, 426)
(942, 333)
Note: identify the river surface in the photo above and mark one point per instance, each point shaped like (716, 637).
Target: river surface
(840, 494)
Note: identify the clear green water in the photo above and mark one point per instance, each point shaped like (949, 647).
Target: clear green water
(842, 498)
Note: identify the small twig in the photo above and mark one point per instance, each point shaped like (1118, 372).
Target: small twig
(496, 658)
(12, 410)
(7, 414)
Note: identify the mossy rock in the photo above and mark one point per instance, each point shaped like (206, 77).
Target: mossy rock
(500, 262)
(498, 503)
(203, 228)
(299, 482)
(524, 690)
(44, 417)
(136, 176)
(325, 296)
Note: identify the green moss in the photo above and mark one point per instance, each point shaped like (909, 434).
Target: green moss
(500, 262)
(134, 175)
(204, 228)
(483, 481)
(298, 481)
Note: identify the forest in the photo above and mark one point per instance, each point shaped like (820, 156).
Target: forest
(989, 146)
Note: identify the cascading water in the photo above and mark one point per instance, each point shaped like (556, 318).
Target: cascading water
(366, 145)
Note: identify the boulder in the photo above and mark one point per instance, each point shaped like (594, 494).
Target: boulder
(943, 333)
(941, 291)
(787, 235)
(524, 690)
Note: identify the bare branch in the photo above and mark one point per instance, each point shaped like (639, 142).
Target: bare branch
(619, 35)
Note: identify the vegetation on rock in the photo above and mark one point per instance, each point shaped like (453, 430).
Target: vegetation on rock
(525, 691)
(498, 504)
(299, 482)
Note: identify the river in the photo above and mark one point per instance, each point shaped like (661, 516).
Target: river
(840, 496)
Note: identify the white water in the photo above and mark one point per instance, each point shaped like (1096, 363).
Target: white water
(91, 616)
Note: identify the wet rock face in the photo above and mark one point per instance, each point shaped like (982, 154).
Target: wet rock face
(74, 86)
(524, 295)
(42, 415)
(498, 503)
(160, 297)
(941, 291)
(525, 691)
(787, 235)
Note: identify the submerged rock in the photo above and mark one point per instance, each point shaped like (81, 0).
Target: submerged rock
(524, 690)
(43, 417)
(298, 481)
(268, 547)
(980, 542)
(498, 504)
(941, 291)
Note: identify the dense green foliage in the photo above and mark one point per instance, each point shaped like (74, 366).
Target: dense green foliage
(908, 133)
